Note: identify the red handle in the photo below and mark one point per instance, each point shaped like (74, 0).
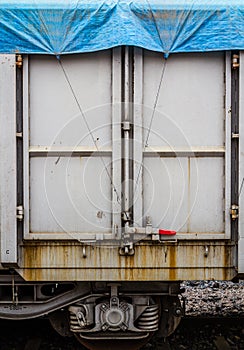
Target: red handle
(166, 232)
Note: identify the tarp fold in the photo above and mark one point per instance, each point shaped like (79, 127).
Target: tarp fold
(71, 26)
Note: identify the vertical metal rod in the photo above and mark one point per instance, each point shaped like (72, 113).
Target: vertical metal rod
(127, 87)
(227, 144)
(138, 136)
(126, 155)
(19, 135)
(234, 147)
(240, 254)
(26, 144)
(116, 141)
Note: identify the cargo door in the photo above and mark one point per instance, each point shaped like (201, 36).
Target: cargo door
(72, 129)
(182, 136)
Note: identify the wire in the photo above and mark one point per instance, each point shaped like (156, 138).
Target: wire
(157, 95)
(155, 102)
(87, 125)
(161, 78)
(152, 116)
(242, 183)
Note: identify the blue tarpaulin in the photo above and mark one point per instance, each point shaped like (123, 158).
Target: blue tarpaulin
(71, 26)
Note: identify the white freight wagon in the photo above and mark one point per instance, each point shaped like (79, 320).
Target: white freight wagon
(121, 162)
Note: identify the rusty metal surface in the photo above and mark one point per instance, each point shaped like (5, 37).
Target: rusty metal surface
(42, 261)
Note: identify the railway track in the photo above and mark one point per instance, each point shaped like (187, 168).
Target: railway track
(194, 333)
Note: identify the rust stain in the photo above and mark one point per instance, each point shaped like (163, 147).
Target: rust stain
(189, 194)
(100, 214)
(227, 261)
(165, 254)
(172, 262)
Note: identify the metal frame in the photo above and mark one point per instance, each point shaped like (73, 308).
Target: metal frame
(138, 136)
(26, 144)
(116, 141)
(126, 136)
(222, 152)
(227, 172)
(241, 168)
(8, 171)
(138, 151)
(44, 151)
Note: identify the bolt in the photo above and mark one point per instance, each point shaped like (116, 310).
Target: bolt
(178, 312)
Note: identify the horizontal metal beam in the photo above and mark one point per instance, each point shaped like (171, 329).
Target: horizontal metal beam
(103, 239)
(152, 262)
(175, 153)
(29, 310)
(68, 152)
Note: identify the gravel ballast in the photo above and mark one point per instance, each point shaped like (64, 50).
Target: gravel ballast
(214, 298)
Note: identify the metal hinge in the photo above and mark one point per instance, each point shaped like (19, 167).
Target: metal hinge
(20, 212)
(234, 211)
(19, 61)
(235, 63)
(19, 135)
(126, 125)
(235, 135)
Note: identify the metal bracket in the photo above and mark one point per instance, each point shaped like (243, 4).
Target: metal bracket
(20, 212)
(19, 135)
(19, 61)
(235, 135)
(15, 296)
(126, 125)
(234, 211)
(127, 248)
(235, 63)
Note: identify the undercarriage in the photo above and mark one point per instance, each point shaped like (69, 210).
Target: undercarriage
(94, 312)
